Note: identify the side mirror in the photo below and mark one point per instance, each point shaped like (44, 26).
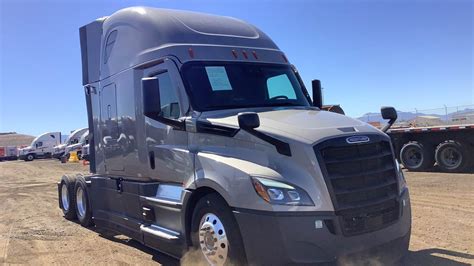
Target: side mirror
(388, 113)
(317, 93)
(151, 97)
(248, 121)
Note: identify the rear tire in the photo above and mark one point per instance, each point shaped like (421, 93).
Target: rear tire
(83, 206)
(67, 197)
(452, 156)
(214, 231)
(416, 156)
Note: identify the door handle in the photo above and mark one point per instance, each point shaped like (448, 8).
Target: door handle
(151, 157)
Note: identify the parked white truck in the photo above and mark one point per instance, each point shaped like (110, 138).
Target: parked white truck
(41, 147)
(205, 139)
(73, 138)
(77, 147)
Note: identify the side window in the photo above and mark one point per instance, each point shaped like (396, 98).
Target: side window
(39, 144)
(168, 97)
(280, 86)
(109, 45)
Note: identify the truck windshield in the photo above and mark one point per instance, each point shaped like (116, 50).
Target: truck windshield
(214, 86)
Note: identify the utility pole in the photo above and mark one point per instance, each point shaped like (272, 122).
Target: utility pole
(446, 113)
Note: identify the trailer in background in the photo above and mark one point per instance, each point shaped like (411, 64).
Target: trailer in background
(8, 153)
(450, 147)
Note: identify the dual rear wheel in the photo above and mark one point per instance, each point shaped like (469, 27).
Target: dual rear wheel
(450, 156)
(74, 199)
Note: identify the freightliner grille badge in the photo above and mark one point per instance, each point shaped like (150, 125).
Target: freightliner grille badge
(357, 139)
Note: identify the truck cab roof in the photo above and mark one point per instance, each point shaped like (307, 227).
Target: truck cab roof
(140, 35)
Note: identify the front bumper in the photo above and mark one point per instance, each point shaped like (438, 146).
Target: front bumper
(292, 239)
(57, 155)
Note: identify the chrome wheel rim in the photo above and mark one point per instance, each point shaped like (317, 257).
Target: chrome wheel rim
(413, 158)
(80, 202)
(213, 239)
(64, 197)
(451, 158)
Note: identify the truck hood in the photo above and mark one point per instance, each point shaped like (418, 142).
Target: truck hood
(25, 148)
(60, 146)
(305, 125)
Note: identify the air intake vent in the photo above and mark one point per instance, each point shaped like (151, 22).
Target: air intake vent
(362, 181)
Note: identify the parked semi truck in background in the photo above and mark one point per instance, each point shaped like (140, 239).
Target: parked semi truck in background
(60, 150)
(205, 139)
(451, 147)
(77, 147)
(41, 147)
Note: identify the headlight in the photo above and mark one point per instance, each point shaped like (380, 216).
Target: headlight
(402, 183)
(280, 193)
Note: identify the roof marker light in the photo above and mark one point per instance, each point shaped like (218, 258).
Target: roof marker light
(191, 52)
(245, 54)
(255, 54)
(234, 53)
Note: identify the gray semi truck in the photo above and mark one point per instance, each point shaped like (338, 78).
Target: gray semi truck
(204, 139)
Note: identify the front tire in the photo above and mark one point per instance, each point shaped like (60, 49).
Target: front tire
(82, 206)
(416, 156)
(30, 157)
(215, 233)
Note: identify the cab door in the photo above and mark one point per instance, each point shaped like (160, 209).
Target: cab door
(109, 128)
(166, 140)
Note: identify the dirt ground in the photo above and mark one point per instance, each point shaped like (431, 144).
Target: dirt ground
(33, 231)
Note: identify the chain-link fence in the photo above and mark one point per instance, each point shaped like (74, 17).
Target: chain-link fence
(446, 115)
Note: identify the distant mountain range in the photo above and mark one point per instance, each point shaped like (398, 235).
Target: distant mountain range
(406, 116)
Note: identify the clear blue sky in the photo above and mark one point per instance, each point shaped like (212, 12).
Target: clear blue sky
(408, 54)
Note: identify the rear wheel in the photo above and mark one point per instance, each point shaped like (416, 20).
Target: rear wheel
(83, 208)
(452, 156)
(416, 156)
(67, 197)
(215, 233)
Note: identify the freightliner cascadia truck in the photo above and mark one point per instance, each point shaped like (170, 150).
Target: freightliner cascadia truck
(62, 149)
(41, 147)
(205, 139)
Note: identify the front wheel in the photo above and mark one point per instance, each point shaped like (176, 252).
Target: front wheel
(215, 233)
(30, 157)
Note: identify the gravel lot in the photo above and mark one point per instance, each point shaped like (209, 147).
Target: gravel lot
(33, 231)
